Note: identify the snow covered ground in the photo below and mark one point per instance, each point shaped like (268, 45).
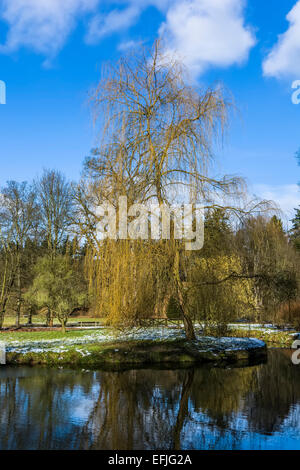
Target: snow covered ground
(64, 344)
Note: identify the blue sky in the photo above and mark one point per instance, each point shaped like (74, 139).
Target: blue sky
(51, 54)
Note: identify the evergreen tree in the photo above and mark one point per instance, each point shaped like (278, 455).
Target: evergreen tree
(295, 231)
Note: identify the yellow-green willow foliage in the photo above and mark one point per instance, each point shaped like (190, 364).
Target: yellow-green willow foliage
(128, 279)
(158, 138)
(216, 302)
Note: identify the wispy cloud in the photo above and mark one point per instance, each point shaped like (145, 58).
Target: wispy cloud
(284, 58)
(41, 25)
(207, 33)
(104, 25)
(126, 45)
(121, 18)
(44, 25)
(203, 32)
(287, 197)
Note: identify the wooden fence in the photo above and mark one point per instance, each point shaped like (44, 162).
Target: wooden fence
(144, 322)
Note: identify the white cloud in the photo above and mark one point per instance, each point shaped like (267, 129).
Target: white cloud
(121, 18)
(103, 25)
(207, 33)
(44, 25)
(204, 32)
(284, 58)
(287, 197)
(126, 45)
(41, 25)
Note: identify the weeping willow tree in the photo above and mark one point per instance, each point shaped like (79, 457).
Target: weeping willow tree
(128, 279)
(220, 302)
(156, 146)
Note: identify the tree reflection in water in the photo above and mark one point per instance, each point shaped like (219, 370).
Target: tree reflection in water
(201, 408)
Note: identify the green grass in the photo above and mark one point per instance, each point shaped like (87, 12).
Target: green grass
(117, 354)
(272, 339)
(114, 352)
(25, 336)
(282, 339)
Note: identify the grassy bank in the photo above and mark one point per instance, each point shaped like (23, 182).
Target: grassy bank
(106, 346)
(131, 352)
(274, 339)
(28, 337)
(102, 347)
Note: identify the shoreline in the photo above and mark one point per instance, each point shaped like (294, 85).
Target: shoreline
(206, 350)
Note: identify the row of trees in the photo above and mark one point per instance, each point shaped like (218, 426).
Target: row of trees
(158, 139)
(39, 256)
(247, 271)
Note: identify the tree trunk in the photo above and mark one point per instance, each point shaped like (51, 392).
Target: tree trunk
(19, 292)
(2, 314)
(29, 321)
(165, 303)
(63, 326)
(187, 321)
(161, 308)
(5, 294)
(49, 318)
(18, 312)
(183, 408)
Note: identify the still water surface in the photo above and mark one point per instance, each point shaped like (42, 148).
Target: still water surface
(203, 408)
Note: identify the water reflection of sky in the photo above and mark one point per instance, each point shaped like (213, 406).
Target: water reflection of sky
(82, 403)
(250, 408)
(202, 431)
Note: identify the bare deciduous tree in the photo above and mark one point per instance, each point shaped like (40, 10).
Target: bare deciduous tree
(55, 198)
(7, 273)
(19, 214)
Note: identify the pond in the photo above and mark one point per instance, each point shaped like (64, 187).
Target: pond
(199, 408)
